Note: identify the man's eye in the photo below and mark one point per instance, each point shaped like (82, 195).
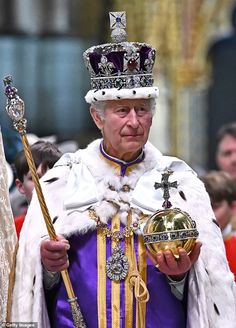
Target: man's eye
(141, 110)
(122, 110)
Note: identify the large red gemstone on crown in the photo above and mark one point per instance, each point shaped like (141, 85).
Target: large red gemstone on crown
(132, 64)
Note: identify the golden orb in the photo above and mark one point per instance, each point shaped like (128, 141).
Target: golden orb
(169, 229)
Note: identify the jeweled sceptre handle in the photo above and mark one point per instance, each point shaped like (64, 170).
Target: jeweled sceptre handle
(15, 109)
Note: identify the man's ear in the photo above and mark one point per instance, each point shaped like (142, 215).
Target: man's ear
(20, 186)
(98, 120)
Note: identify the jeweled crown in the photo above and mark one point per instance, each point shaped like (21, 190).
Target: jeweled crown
(121, 64)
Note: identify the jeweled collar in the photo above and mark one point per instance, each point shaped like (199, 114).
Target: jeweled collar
(122, 167)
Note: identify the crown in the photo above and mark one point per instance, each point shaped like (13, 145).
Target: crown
(121, 69)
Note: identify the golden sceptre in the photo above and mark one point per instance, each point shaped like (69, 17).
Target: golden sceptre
(15, 109)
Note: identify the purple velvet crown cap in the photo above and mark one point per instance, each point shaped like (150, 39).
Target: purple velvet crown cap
(109, 64)
(119, 70)
(126, 58)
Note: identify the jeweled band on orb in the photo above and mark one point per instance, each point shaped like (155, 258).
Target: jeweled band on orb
(170, 236)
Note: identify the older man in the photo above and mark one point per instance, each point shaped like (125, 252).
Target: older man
(100, 198)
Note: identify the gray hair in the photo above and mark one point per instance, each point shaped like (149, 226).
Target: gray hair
(101, 105)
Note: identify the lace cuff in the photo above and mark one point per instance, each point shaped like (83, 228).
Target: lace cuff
(50, 279)
(177, 287)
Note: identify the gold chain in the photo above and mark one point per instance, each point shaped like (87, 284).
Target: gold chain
(116, 235)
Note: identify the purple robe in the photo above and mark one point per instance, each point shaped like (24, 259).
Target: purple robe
(164, 310)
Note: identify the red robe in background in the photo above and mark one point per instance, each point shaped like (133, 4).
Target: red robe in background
(19, 220)
(230, 248)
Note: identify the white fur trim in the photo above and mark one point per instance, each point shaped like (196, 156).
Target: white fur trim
(211, 289)
(118, 94)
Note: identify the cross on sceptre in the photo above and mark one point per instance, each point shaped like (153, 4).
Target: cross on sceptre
(166, 185)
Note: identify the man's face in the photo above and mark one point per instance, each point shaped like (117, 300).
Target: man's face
(125, 127)
(226, 155)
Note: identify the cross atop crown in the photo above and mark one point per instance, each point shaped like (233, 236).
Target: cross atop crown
(117, 19)
(118, 25)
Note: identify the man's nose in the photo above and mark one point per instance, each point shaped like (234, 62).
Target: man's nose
(133, 118)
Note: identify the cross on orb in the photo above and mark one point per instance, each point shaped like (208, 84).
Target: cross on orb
(165, 185)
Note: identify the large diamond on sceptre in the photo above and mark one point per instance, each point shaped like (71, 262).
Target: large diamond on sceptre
(15, 109)
(169, 228)
(15, 106)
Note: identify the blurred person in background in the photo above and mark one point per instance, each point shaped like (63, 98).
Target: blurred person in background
(45, 155)
(222, 191)
(226, 154)
(226, 149)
